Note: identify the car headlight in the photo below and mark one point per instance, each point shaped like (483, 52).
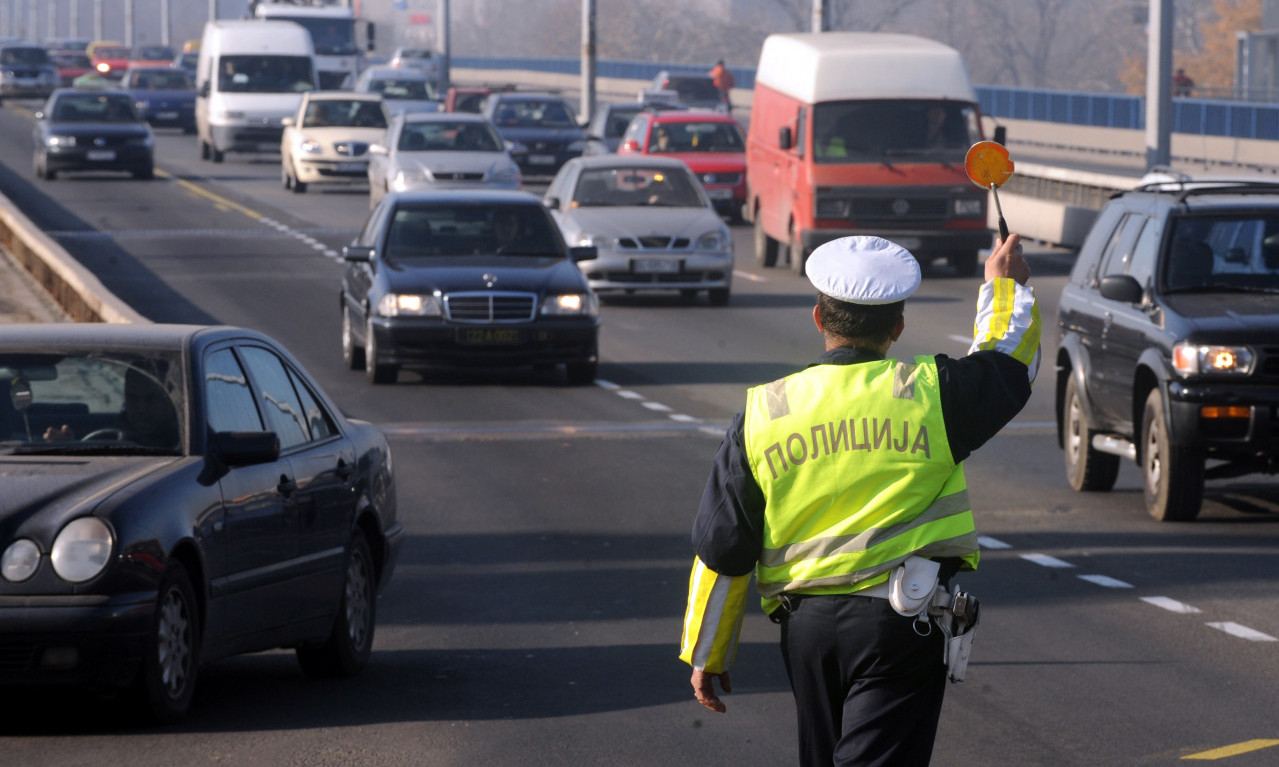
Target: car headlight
(597, 241)
(408, 305)
(143, 141)
(19, 561)
(59, 140)
(229, 114)
(82, 549)
(404, 178)
(576, 146)
(969, 206)
(142, 105)
(713, 241)
(506, 174)
(311, 146)
(1194, 359)
(571, 304)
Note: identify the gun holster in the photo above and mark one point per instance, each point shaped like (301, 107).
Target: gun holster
(956, 613)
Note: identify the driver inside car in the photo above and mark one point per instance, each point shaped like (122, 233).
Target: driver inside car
(148, 417)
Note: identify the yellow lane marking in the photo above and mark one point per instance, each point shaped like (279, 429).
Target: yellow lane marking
(221, 202)
(1248, 746)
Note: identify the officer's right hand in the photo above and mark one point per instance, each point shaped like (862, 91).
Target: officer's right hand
(1006, 261)
(704, 689)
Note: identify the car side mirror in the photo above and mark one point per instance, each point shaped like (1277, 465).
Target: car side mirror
(552, 203)
(245, 448)
(357, 254)
(784, 140)
(1122, 287)
(204, 89)
(584, 253)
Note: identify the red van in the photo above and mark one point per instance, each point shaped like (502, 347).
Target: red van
(864, 133)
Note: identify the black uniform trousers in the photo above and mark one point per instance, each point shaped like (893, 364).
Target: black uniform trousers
(868, 688)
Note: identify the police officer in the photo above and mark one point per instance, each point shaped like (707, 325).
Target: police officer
(834, 476)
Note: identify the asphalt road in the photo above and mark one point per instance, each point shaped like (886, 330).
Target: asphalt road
(535, 614)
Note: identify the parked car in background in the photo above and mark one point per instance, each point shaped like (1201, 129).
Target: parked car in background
(91, 130)
(151, 56)
(442, 149)
(26, 71)
(164, 96)
(402, 90)
(70, 65)
(690, 90)
(111, 60)
(650, 222)
(328, 140)
(174, 495)
(712, 144)
(608, 124)
(541, 127)
(466, 277)
(1169, 340)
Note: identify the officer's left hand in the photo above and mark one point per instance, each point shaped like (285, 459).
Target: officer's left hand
(704, 689)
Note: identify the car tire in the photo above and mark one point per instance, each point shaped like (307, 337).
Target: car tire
(298, 186)
(376, 372)
(719, 296)
(205, 151)
(964, 262)
(286, 180)
(145, 173)
(347, 649)
(216, 155)
(352, 353)
(581, 373)
(1172, 475)
(171, 652)
(1087, 469)
(765, 247)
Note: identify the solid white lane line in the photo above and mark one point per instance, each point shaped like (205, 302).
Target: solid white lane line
(1105, 581)
(1171, 605)
(1044, 560)
(1243, 632)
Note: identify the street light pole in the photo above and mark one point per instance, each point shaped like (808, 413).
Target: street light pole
(1158, 85)
(588, 60)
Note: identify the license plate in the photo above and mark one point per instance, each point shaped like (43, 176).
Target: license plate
(490, 336)
(541, 159)
(352, 167)
(166, 115)
(655, 266)
(719, 194)
(99, 155)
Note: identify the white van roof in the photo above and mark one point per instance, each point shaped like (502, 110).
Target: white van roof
(835, 66)
(257, 36)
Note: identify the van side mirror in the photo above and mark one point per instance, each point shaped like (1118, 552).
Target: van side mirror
(204, 89)
(1001, 135)
(784, 139)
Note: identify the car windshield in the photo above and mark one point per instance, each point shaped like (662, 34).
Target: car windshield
(112, 52)
(864, 131)
(92, 402)
(696, 137)
(163, 80)
(154, 53)
(402, 89)
(635, 187)
(350, 113)
(265, 74)
(71, 60)
(470, 229)
(95, 108)
(1223, 254)
(24, 56)
(460, 136)
(533, 113)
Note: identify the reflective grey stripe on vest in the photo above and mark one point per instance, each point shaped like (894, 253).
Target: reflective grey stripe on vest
(775, 394)
(904, 380)
(945, 506)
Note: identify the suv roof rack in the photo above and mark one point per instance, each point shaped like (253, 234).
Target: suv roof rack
(1162, 178)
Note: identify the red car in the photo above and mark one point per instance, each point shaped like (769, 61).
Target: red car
(70, 65)
(711, 144)
(111, 61)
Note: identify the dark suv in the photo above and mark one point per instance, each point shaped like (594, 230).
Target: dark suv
(1169, 350)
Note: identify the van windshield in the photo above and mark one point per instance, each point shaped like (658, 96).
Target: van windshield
(861, 131)
(265, 74)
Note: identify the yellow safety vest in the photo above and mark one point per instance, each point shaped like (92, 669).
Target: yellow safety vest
(857, 474)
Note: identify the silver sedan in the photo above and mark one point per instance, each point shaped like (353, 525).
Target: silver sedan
(650, 221)
(426, 150)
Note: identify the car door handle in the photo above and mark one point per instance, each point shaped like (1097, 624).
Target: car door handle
(286, 486)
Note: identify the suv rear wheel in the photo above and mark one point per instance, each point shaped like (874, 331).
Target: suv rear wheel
(1087, 468)
(1172, 475)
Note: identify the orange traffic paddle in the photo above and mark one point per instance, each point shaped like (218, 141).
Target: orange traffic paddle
(989, 166)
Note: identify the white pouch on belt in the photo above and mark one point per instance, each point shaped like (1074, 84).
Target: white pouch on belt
(911, 586)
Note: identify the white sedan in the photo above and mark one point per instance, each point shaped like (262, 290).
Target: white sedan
(440, 149)
(328, 140)
(402, 90)
(649, 220)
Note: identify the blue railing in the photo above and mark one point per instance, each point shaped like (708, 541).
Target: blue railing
(1207, 117)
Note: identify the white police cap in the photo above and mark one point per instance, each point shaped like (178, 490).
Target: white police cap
(863, 270)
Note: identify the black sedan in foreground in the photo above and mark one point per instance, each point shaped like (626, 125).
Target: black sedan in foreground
(92, 130)
(178, 494)
(466, 277)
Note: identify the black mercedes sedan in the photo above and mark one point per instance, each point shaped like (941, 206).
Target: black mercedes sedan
(81, 129)
(174, 495)
(466, 277)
